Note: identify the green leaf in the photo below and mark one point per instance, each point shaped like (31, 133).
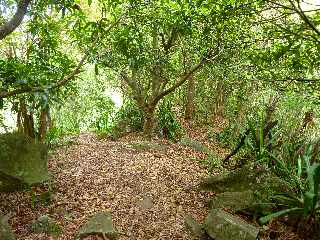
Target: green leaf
(311, 197)
(265, 219)
(89, 2)
(299, 167)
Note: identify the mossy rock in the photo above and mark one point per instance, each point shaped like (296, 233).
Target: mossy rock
(195, 228)
(234, 200)
(99, 224)
(221, 225)
(249, 188)
(5, 229)
(244, 179)
(196, 145)
(22, 162)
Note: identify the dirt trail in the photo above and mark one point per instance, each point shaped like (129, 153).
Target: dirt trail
(148, 191)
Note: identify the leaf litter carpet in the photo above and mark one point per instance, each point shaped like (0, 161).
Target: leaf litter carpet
(148, 191)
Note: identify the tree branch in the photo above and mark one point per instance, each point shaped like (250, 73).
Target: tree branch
(137, 95)
(60, 83)
(304, 17)
(208, 57)
(64, 80)
(16, 20)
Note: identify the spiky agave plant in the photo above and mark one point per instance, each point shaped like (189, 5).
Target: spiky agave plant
(302, 204)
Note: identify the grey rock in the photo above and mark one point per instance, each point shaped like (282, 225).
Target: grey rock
(5, 229)
(195, 228)
(99, 224)
(221, 225)
(23, 162)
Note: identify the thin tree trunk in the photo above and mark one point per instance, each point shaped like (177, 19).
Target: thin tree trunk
(43, 125)
(25, 121)
(188, 115)
(149, 122)
(19, 120)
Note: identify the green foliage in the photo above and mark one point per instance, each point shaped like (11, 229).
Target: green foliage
(102, 124)
(226, 136)
(132, 115)
(212, 161)
(88, 109)
(168, 125)
(43, 198)
(44, 224)
(129, 118)
(304, 201)
(53, 135)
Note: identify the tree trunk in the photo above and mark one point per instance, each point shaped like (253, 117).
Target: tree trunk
(43, 125)
(149, 122)
(188, 115)
(219, 99)
(25, 121)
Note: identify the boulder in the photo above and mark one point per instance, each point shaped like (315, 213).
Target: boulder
(195, 228)
(5, 229)
(195, 145)
(99, 224)
(243, 179)
(221, 225)
(253, 178)
(22, 162)
(234, 200)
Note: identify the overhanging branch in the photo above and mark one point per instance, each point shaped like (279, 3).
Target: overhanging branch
(64, 80)
(16, 20)
(208, 57)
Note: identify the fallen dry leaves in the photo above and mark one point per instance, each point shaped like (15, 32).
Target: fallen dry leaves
(149, 192)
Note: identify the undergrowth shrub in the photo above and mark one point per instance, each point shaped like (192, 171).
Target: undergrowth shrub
(168, 125)
(301, 205)
(129, 118)
(103, 123)
(53, 135)
(281, 132)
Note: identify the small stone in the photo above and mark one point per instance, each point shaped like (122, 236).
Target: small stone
(145, 203)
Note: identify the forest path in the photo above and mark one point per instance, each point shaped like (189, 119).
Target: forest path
(147, 187)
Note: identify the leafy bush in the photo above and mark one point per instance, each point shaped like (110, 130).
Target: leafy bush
(226, 136)
(168, 125)
(129, 118)
(102, 124)
(53, 135)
